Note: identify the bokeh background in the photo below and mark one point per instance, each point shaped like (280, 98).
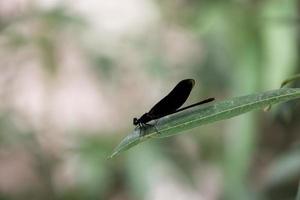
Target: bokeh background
(75, 73)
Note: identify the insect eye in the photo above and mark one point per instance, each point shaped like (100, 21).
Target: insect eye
(135, 121)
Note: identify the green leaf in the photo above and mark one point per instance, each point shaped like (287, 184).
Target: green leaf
(298, 194)
(289, 80)
(204, 114)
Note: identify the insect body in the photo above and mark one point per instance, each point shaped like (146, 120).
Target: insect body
(171, 103)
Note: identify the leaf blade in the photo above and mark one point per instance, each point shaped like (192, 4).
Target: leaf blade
(200, 115)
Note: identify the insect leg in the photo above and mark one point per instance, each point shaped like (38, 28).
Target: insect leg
(154, 125)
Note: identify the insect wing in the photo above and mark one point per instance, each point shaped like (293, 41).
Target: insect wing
(174, 100)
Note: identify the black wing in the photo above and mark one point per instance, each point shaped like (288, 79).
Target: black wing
(174, 100)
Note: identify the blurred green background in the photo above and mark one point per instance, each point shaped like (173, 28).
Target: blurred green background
(75, 73)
